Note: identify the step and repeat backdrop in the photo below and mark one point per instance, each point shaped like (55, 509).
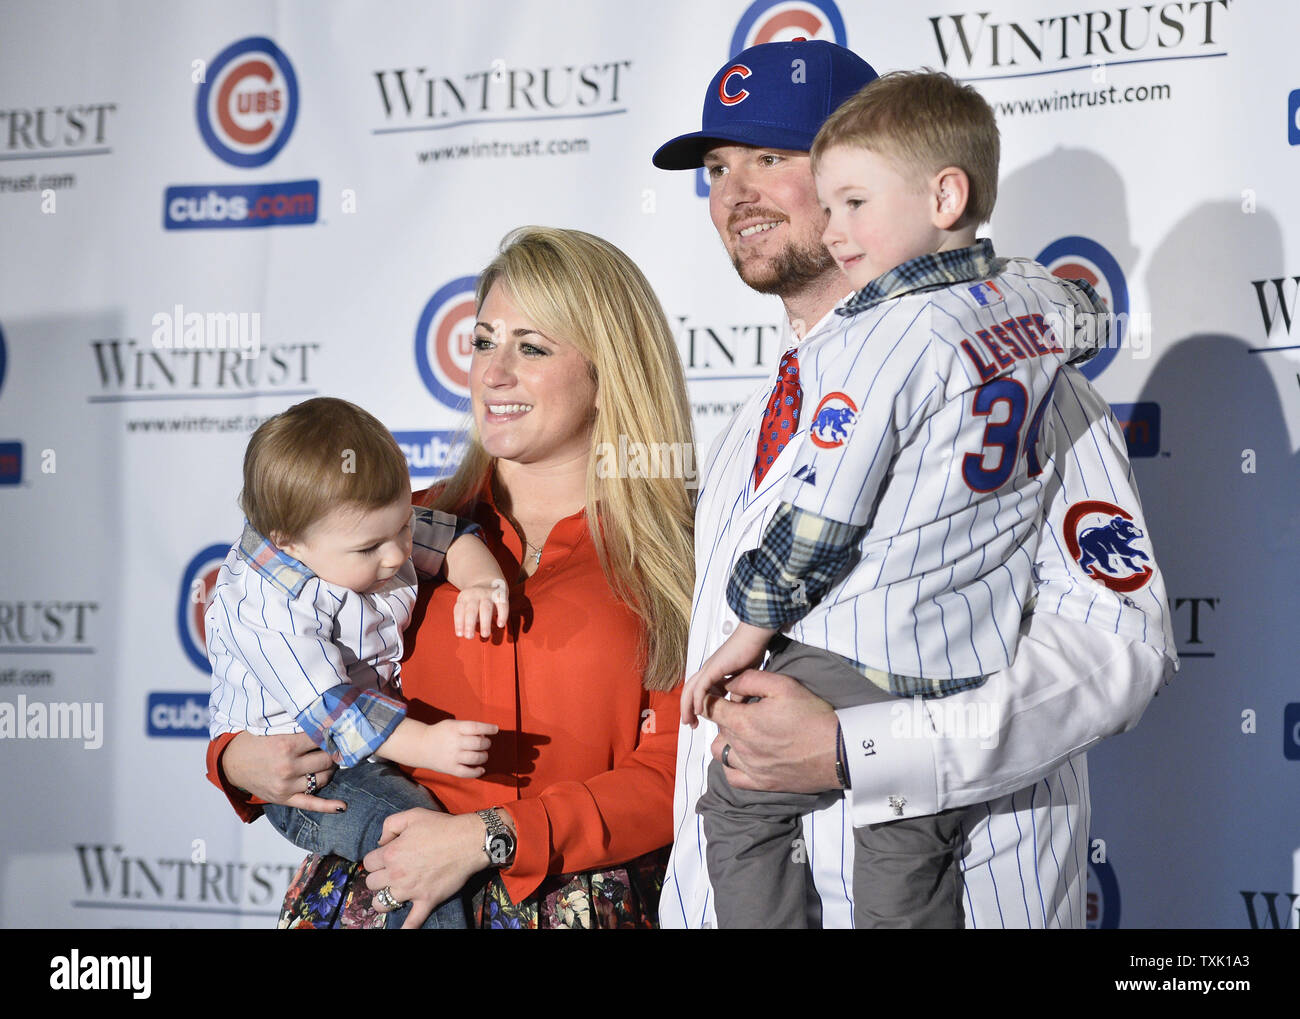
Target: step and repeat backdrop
(210, 212)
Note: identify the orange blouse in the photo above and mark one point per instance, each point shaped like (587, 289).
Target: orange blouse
(585, 757)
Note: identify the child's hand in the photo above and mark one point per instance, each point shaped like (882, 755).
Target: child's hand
(476, 606)
(742, 650)
(457, 748)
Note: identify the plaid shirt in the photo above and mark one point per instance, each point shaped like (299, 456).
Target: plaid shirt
(977, 262)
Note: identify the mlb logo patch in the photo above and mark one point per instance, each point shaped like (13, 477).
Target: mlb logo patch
(986, 293)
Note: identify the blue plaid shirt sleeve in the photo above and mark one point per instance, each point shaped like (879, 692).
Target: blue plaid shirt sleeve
(349, 723)
(800, 557)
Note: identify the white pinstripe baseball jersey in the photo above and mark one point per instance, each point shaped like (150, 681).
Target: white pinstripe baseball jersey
(927, 426)
(1090, 658)
(279, 637)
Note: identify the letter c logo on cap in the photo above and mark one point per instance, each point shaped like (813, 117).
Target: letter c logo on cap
(724, 96)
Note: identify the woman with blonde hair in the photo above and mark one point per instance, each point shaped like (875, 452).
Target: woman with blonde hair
(573, 365)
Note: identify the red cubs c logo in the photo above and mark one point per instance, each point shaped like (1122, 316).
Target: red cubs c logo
(727, 98)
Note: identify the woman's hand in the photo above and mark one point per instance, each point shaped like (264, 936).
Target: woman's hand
(426, 857)
(275, 769)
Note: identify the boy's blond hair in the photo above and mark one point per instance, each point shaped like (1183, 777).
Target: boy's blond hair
(924, 121)
(318, 455)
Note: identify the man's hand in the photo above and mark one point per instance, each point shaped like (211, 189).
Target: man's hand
(783, 742)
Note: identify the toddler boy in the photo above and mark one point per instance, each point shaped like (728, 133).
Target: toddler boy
(304, 630)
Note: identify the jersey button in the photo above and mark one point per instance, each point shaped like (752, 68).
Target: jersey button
(727, 627)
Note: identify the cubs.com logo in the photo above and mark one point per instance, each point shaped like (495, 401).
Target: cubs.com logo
(1085, 259)
(1103, 897)
(833, 421)
(248, 102)
(1103, 540)
(197, 582)
(784, 20)
(443, 341)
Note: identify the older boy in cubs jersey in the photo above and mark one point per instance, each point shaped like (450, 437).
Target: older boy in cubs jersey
(1023, 856)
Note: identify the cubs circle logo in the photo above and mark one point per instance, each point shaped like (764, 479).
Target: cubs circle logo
(1102, 539)
(833, 421)
(725, 94)
(443, 342)
(248, 102)
(1103, 897)
(1085, 259)
(784, 20)
(197, 582)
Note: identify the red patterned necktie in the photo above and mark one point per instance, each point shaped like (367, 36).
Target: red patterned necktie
(781, 416)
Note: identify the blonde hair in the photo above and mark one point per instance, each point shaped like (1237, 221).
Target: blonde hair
(317, 455)
(578, 287)
(925, 121)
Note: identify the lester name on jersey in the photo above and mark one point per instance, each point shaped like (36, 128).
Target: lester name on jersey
(927, 433)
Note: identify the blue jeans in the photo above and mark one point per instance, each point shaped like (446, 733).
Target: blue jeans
(372, 791)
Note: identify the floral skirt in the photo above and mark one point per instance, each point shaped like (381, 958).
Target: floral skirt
(330, 892)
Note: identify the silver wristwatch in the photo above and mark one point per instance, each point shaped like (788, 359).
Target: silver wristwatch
(499, 843)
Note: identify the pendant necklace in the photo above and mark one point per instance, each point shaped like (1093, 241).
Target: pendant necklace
(534, 553)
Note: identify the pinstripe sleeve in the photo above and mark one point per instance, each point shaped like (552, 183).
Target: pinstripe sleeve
(876, 392)
(287, 645)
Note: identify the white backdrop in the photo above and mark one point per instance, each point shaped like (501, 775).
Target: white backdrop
(330, 176)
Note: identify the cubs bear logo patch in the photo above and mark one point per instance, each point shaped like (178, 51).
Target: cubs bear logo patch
(1103, 540)
(833, 421)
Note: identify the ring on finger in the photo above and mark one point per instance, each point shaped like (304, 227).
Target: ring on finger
(311, 784)
(385, 900)
(726, 756)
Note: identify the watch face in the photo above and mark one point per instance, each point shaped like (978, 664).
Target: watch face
(499, 849)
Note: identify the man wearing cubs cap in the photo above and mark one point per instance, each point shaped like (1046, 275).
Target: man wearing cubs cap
(1010, 752)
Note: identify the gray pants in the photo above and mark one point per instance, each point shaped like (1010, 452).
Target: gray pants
(905, 872)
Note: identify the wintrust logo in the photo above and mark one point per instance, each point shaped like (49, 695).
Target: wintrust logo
(983, 44)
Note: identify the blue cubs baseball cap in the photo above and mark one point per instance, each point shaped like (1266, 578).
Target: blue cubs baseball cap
(775, 95)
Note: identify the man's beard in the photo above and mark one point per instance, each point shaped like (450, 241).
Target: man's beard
(794, 269)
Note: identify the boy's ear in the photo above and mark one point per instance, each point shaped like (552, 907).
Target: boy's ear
(950, 189)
